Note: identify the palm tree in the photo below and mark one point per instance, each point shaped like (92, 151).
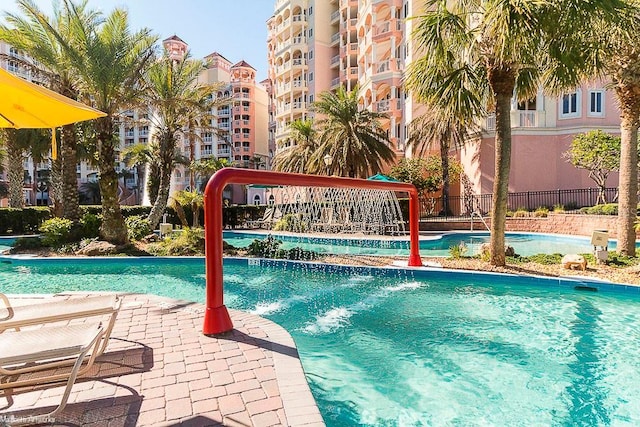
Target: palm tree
(31, 34)
(352, 136)
(138, 156)
(177, 99)
(15, 168)
(620, 55)
(109, 61)
(436, 128)
(298, 159)
(480, 53)
(202, 169)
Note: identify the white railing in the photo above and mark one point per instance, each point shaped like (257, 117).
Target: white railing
(335, 60)
(491, 122)
(382, 106)
(527, 119)
(335, 15)
(335, 38)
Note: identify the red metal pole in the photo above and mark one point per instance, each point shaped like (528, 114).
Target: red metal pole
(216, 317)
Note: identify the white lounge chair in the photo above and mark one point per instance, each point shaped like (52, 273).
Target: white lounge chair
(57, 310)
(35, 350)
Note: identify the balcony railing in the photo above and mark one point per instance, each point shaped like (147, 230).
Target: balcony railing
(335, 15)
(383, 106)
(335, 38)
(335, 82)
(527, 119)
(335, 60)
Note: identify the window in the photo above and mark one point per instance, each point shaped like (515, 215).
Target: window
(311, 10)
(310, 56)
(310, 33)
(310, 98)
(596, 103)
(310, 77)
(570, 105)
(256, 199)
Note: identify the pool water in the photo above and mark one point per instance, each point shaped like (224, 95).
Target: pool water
(524, 244)
(400, 348)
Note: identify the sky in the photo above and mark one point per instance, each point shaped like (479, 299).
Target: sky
(234, 28)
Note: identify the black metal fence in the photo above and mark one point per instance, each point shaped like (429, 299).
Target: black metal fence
(463, 206)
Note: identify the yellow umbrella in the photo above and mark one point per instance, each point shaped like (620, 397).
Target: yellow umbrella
(27, 105)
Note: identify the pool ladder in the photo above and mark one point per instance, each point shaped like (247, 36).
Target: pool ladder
(476, 213)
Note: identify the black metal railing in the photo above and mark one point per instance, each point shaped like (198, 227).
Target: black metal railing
(464, 206)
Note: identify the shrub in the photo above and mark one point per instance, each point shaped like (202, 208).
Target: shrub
(291, 222)
(458, 251)
(90, 224)
(189, 241)
(266, 248)
(606, 209)
(541, 212)
(56, 231)
(19, 221)
(558, 208)
(137, 227)
(27, 243)
(270, 248)
(521, 213)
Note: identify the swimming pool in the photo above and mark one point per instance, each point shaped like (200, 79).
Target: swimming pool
(435, 245)
(395, 347)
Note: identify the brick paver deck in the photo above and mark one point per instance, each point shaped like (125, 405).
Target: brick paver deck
(159, 370)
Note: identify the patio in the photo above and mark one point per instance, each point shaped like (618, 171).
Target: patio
(160, 370)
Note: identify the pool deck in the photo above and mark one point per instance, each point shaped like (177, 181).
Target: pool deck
(160, 370)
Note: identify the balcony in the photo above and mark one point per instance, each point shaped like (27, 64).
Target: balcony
(224, 126)
(383, 106)
(225, 152)
(335, 39)
(206, 152)
(526, 119)
(300, 84)
(334, 16)
(299, 18)
(335, 61)
(335, 83)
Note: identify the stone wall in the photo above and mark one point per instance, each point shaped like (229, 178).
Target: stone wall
(571, 224)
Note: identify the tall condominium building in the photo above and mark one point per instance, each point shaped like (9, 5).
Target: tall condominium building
(316, 46)
(319, 45)
(239, 129)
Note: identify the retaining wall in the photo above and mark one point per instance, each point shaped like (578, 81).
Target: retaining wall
(572, 224)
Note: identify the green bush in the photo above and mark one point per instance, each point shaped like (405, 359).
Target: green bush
(21, 221)
(291, 222)
(189, 241)
(606, 209)
(137, 227)
(270, 248)
(90, 225)
(458, 251)
(521, 213)
(266, 248)
(56, 231)
(541, 212)
(27, 243)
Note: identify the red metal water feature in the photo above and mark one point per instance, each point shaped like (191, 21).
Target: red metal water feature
(216, 316)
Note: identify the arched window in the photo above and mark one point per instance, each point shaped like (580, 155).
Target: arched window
(257, 199)
(272, 200)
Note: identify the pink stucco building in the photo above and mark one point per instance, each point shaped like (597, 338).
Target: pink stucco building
(542, 130)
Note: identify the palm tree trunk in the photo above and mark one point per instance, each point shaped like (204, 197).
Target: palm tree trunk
(444, 160)
(628, 190)
(502, 85)
(162, 199)
(70, 204)
(55, 187)
(15, 173)
(113, 228)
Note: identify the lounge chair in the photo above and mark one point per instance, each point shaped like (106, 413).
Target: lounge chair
(267, 218)
(49, 311)
(36, 350)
